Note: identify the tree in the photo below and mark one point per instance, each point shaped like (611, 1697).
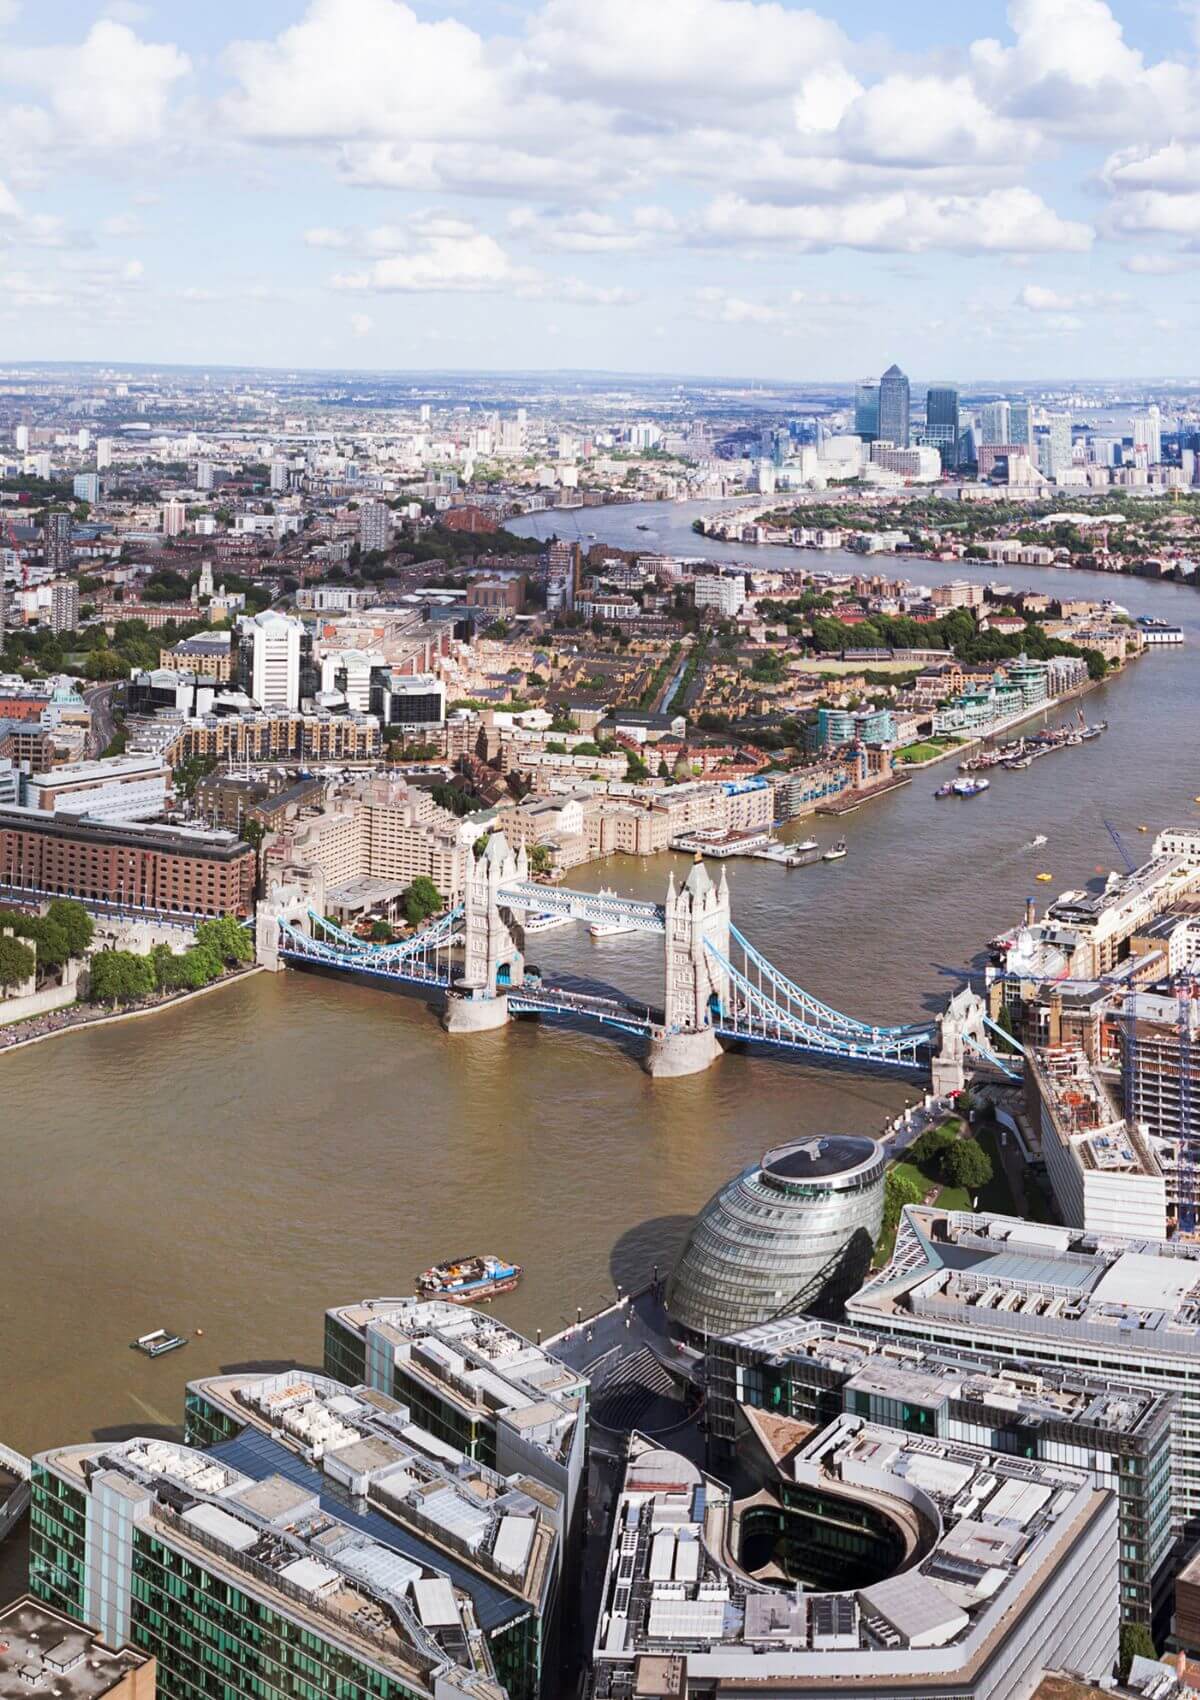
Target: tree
(381, 932)
(899, 1188)
(75, 922)
(17, 963)
(928, 1150)
(1136, 1642)
(226, 939)
(421, 900)
(966, 1164)
(118, 976)
(539, 859)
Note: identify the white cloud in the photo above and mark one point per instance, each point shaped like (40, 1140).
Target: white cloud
(726, 309)
(1002, 221)
(471, 264)
(361, 324)
(360, 68)
(581, 232)
(1072, 71)
(1157, 265)
(110, 91)
(323, 236)
(686, 54)
(1040, 299)
(923, 121)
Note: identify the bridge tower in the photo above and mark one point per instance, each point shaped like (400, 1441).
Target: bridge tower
(696, 914)
(494, 942)
(289, 900)
(960, 1021)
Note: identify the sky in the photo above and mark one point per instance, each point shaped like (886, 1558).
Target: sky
(737, 188)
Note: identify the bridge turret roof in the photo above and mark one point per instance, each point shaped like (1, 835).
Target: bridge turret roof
(698, 881)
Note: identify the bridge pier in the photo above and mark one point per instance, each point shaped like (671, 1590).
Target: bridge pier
(673, 1055)
(471, 1009)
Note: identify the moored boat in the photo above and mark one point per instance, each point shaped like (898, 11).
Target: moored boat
(466, 1280)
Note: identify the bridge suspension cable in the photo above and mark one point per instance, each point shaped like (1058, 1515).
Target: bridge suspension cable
(803, 1006)
(753, 1014)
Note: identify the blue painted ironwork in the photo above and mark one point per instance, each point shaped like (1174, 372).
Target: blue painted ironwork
(801, 1006)
(424, 959)
(752, 1015)
(987, 1055)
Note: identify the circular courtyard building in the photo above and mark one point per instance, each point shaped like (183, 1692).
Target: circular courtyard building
(794, 1232)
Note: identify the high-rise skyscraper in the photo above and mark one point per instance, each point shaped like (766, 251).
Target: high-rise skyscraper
(941, 422)
(57, 537)
(1147, 434)
(994, 423)
(374, 527)
(1054, 449)
(274, 672)
(893, 408)
(866, 410)
(64, 605)
(1020, 424)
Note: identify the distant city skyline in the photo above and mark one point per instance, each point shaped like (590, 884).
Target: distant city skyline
(734, 188)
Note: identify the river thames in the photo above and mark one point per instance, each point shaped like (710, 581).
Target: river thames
(237, 1165)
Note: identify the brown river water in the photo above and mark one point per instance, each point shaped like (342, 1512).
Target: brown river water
(237, 1165)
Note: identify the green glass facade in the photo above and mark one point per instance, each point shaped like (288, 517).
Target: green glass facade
(345, 1353)
(205, 1424)
(57, 1533)
(215, 1641)
(346, 1360)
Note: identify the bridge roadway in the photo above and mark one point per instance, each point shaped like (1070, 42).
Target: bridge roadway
(583, 905)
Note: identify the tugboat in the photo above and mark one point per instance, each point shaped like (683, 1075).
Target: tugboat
(467, 1280)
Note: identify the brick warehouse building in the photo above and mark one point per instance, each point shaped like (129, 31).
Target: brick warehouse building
(168, 869)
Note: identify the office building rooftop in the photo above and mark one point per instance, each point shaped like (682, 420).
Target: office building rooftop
(924, 1373)
(981, 1538)
(271, 1534)
(1022, 1278)
(46, 1656)
(449, 1512)
(477, 1363)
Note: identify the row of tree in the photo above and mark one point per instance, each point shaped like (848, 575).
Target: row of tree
(124, 976)
(41, 943)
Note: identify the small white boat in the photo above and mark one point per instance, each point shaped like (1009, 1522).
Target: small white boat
(1039, 841)
(545, 921)
(611, 929)
(805, 845)
(835, 851)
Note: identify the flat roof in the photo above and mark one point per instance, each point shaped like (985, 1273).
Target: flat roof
(43, 1653)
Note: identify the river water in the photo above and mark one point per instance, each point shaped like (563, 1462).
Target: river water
(237, 1165)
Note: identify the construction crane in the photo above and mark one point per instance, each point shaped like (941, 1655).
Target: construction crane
(1128, 860)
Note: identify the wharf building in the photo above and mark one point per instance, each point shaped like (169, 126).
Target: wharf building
(113, 788)
(792, 1232)
(247, 734)
(496, 1538)
(244, 1584)
(163, 870)
(950, 1572)
(471, 1382)
(806, 1373)
(1123, 1309)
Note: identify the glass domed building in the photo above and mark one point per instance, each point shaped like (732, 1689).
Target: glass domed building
(794, 1232)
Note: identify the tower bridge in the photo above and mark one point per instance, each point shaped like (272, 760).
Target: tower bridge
(718, 988)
